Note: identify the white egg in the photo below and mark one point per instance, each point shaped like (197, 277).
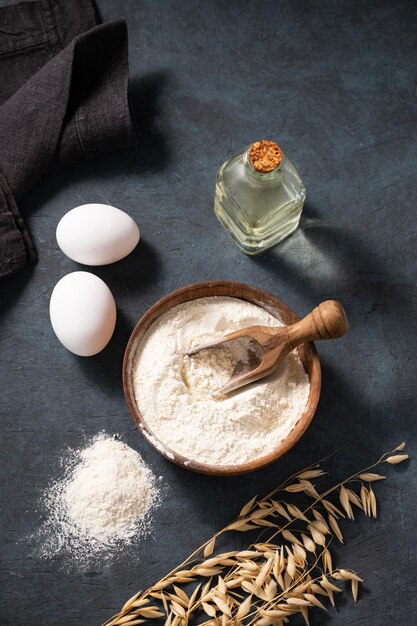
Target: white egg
(97, 234)
(83, 313)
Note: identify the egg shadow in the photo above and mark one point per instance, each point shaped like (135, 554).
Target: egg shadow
(104, 370)
(135, 274)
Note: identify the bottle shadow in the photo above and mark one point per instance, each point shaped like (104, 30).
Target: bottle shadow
(321, 261)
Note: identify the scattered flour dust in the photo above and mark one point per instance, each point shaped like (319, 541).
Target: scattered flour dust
(102, 504)
(174, 391)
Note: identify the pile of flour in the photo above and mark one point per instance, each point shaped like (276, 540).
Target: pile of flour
(174, 391)
(101, 504)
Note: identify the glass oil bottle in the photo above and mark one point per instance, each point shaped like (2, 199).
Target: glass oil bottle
(259, 196)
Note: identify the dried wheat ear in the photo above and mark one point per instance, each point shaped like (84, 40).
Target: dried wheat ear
(288, 570)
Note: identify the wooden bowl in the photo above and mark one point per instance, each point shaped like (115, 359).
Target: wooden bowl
(307, 353)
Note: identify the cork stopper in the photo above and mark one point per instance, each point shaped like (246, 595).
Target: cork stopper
(265, 156)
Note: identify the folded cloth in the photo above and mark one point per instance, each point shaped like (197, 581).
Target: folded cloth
(75, 107)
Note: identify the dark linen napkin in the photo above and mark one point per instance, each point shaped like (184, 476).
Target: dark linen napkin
(63, 98)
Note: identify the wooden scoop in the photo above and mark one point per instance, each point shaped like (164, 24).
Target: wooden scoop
(260, 349)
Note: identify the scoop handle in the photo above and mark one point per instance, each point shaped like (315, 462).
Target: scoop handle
(327, 321)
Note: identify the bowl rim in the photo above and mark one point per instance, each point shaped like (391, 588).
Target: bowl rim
(256, 296)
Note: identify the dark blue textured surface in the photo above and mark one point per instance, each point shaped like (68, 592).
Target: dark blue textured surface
(334, 83)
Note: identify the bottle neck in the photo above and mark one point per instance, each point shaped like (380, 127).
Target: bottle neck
(263, 178)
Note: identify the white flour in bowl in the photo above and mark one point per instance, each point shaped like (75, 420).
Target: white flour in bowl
(173, 391)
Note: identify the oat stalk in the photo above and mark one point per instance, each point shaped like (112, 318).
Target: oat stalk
(287, 570)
